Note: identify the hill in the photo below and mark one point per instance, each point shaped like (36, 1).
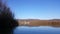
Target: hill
(38, 22)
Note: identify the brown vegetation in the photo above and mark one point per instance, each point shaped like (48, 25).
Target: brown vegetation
(34, 22)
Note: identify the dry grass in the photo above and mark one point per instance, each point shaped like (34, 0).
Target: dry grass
(41, 22)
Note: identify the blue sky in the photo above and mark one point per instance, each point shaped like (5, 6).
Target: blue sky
(35, 9)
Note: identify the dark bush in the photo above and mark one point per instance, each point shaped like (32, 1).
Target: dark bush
(7, 21)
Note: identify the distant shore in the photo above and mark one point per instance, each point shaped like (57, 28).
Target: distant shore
(37, 22)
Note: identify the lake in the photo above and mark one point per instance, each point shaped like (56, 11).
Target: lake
(37, 30)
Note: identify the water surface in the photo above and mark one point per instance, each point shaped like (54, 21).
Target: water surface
(37, 30)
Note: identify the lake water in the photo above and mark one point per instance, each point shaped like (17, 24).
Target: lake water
(37, 30)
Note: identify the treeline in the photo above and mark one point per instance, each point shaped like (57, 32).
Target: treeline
(43, 23)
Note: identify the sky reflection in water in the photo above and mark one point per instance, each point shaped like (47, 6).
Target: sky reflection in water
(37, 30)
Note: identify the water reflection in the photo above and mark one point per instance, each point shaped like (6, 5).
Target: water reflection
(36, 30)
